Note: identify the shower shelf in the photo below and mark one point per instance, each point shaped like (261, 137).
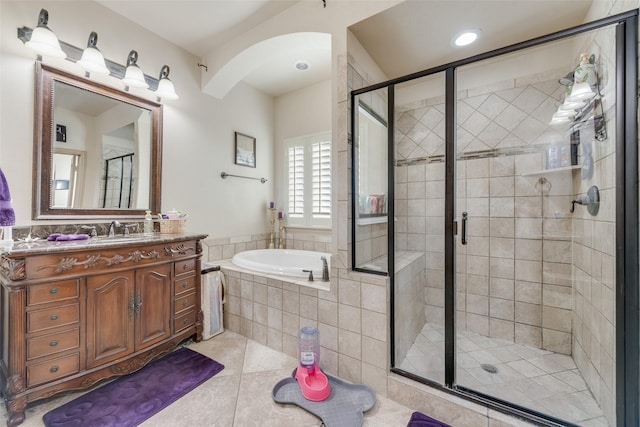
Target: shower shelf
(552, 171)
(372, 220)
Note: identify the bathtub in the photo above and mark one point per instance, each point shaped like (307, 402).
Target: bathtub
(282, 262)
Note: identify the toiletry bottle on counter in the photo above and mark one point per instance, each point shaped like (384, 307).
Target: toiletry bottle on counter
(148, 224)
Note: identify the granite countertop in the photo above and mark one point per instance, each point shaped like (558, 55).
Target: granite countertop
(42, 246)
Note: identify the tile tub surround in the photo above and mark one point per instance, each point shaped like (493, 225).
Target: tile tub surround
(349, 313)
(220, 248)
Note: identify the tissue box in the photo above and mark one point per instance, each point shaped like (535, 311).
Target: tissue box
(172, 226)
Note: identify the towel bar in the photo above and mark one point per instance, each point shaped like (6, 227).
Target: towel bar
(224, 175)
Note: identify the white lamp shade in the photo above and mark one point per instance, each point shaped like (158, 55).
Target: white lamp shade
(580, 92)
(134, 77)
(45, 43)
(166, 90)
(93, 61)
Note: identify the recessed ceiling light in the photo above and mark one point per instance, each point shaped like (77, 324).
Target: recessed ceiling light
(466, 37)
(302, 65)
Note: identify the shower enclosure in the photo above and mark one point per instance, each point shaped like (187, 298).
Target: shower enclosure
(506, 216)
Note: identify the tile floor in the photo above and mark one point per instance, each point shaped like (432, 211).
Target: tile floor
(534, 378)
(239, 396)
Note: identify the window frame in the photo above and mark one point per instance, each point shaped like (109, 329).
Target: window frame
(307, 219)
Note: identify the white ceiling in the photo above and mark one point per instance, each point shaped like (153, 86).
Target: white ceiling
(417, 34)
(409, 37)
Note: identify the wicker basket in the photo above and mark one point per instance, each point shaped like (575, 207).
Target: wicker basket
(172, 226)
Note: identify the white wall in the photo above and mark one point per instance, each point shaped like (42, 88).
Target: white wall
(198, 129)
(298, 113)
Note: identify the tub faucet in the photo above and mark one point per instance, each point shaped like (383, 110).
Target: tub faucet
(325, 269)
(112, 228)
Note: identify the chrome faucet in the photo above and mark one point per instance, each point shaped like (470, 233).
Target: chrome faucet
(126, 231)
(325, 269)
(112, 228)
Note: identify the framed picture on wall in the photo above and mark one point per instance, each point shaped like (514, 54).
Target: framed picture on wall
(61, 133)
(245, 150)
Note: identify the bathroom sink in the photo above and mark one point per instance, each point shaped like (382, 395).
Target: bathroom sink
(118, 239)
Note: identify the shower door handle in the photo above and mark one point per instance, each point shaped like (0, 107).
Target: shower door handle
(465, 228)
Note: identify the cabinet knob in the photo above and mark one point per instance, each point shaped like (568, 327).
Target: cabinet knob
(185, 284)
(53, 343)
(54, 317)
(54, 369)
(185, 321)
(185, 303)
(53, 291)
(185, 266)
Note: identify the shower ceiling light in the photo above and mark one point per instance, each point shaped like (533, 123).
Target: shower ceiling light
(302, 65)
(465, 38)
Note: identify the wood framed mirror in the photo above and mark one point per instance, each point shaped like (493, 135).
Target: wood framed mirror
(116, 142)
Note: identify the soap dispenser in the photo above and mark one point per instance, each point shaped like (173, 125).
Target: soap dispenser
(148, 224)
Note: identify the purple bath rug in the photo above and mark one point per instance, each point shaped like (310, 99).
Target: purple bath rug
(419, 419)
(129, 400)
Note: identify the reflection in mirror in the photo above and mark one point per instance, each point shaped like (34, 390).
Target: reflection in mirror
(372, 166)
(68, 176)
(103, 159)
(371, 158)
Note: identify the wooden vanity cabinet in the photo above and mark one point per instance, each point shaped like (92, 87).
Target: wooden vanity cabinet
(71, 318)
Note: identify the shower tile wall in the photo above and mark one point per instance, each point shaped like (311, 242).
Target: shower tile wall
(532, 272)
(594, 248)
(514, 277)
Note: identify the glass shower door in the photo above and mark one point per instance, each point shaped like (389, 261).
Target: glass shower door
(419, 281)
(535, 293)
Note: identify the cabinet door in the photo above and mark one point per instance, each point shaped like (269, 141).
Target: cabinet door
(153, 305)
(110, 313)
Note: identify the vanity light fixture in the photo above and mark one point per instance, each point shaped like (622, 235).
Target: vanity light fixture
(133, 76)
(466, 38)
(165, 89)
(43, 41)
(92, 60)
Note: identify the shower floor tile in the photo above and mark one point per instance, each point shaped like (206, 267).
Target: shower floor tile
(538, 379)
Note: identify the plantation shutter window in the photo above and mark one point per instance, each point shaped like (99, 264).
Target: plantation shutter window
(308, 172)
(296, 180)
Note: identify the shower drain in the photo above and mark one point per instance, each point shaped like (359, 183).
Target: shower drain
(489, 368)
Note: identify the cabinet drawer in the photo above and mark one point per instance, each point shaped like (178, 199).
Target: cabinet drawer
(52, 343)
(40, 320)
(48, 292)
(183, 321)
(185, 302)
(188, 266)
(52, 369)
(185, 284)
